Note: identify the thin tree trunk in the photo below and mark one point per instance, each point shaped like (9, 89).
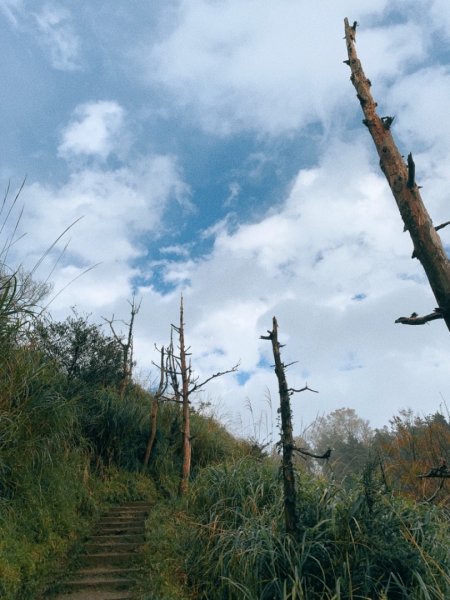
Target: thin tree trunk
(151, 439)
(155, 406)
(185, 379)
(428, 247)
(287, 439)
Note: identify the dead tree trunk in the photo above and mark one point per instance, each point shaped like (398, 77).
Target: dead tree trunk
(428, 247)
(127, 347)
(179, 367)
(287, 438)
(185, 379)
(155, 406)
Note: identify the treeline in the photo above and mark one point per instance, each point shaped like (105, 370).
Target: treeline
(408, 447)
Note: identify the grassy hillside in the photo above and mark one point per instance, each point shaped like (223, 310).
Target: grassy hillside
(71, 443)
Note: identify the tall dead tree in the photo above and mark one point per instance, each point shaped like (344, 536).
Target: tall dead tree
(287, 438)
(428, 247)
(186, 377)
(126, 346)
(184, 384)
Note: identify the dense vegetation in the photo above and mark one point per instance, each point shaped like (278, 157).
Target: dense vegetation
(71, 442)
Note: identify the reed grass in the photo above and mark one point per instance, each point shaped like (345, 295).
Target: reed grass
(347, 547)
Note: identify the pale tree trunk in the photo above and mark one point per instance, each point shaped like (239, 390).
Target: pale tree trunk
(428, 247)
(185, 380)
(178, 367)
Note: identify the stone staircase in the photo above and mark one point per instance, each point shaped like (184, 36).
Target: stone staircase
(108, 565)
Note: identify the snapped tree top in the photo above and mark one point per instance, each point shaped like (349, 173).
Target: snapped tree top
(428, 247)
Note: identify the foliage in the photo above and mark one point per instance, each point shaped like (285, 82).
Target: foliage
(360, 543)
(163, 573)
(410, 447)
(350, 439)
(115, 429)
(80, 351)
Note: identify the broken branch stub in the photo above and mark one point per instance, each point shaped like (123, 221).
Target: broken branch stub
(428, 247)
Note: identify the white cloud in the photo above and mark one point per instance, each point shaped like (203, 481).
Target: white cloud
(420, 101)
(333, 264)
(330, 260)
(271, 67)
(97, 129)
(57, 34)
(117, 208)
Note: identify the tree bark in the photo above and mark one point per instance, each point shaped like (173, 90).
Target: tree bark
(155, 407)
(428, 247)
(287, 438)
(185, 380)
(127, 347)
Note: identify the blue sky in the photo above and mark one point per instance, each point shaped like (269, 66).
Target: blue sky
(215, 148)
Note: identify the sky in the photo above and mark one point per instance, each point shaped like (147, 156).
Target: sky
(215, 149)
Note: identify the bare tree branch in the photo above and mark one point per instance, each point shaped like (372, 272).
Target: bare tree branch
(325, 456)
(196, 387)
(303, 389)
(415, 319)
(442, 225)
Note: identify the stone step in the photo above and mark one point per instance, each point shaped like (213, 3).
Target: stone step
(120, 510)
(137, 538)
(106, 571)
(119, 529)
(95, 595)
(108, 558)
(116, 546)
(107, 583)
(120, 520)
(101, 571)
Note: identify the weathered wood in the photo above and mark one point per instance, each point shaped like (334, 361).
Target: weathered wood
(287, 438)
(185, 392)
(401, 177)
(155, 406)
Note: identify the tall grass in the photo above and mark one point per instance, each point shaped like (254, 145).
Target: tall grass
(350, 545)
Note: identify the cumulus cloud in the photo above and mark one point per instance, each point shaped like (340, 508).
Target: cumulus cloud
(251, 65)
(96, 129)
(329, 258)
(116, 208)
(333, 264)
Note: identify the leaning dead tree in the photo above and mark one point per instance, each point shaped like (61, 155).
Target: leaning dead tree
(401, 177)
(184, 383)
(287, 438)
